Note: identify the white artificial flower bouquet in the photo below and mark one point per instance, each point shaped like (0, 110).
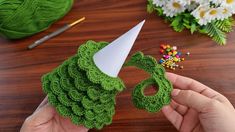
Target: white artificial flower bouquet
(211, 17)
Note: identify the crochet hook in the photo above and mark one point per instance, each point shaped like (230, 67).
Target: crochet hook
(53, 34)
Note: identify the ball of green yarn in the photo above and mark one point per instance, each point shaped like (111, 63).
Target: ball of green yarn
(22, 18)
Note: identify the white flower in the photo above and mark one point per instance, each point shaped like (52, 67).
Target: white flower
(159, 2)
(184, 2)
(213, 14)
(224, 13)
(168, 12)
(229, 4)
(202, 2)
(175, 6)
(200, 11)
(192, 6)
(200, 14)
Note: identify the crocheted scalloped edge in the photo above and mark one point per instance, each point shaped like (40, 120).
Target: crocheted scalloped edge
(86, 63)
(77, 110)
(73, 95)
(162, 97)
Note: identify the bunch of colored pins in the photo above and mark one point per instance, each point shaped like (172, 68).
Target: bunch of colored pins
(171, 57)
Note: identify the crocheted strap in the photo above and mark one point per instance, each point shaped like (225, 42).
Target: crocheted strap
(162, 97)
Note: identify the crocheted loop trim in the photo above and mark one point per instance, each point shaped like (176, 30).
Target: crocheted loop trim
(155, 102)
(86, 63)
(80, 94)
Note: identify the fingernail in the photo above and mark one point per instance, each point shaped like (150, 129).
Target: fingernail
(175, 92)
(165, 107)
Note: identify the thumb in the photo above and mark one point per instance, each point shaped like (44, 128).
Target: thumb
(42, 115)
(190, 99)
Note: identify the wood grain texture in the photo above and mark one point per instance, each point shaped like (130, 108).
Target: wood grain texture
(20, 69)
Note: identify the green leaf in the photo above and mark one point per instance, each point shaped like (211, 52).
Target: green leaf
(159, 11)
(202, 30)
(187, 25)
(186, 21)
(177, 24)
(176, 21)
(215, 33)
(193, 28)
(225, 25)
(187, 15)
(179, 28)
(150, 8)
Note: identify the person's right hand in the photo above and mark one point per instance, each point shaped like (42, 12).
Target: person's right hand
(197, 108)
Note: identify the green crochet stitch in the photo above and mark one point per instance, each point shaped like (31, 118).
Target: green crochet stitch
(162, 97)
(80, 91)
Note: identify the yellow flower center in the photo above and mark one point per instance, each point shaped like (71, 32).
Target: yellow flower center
(225, 11)
(202, 14)
(176, 5)
(229, 1)
(213, 12)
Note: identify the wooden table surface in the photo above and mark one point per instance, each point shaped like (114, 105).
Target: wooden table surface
(20, 69)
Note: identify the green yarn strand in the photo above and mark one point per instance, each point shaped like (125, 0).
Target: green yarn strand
(23, 18)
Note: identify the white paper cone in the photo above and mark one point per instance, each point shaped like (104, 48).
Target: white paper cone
(111, 58)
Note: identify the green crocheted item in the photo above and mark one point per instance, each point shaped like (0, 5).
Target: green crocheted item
(80, 91)
(162, 97)
(23, 18)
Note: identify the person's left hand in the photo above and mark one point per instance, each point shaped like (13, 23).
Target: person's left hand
(46, 119)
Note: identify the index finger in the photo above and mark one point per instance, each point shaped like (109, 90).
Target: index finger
(185, 83)
(44, 102)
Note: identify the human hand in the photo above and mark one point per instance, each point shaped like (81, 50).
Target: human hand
(46, 119)
(197, 108)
